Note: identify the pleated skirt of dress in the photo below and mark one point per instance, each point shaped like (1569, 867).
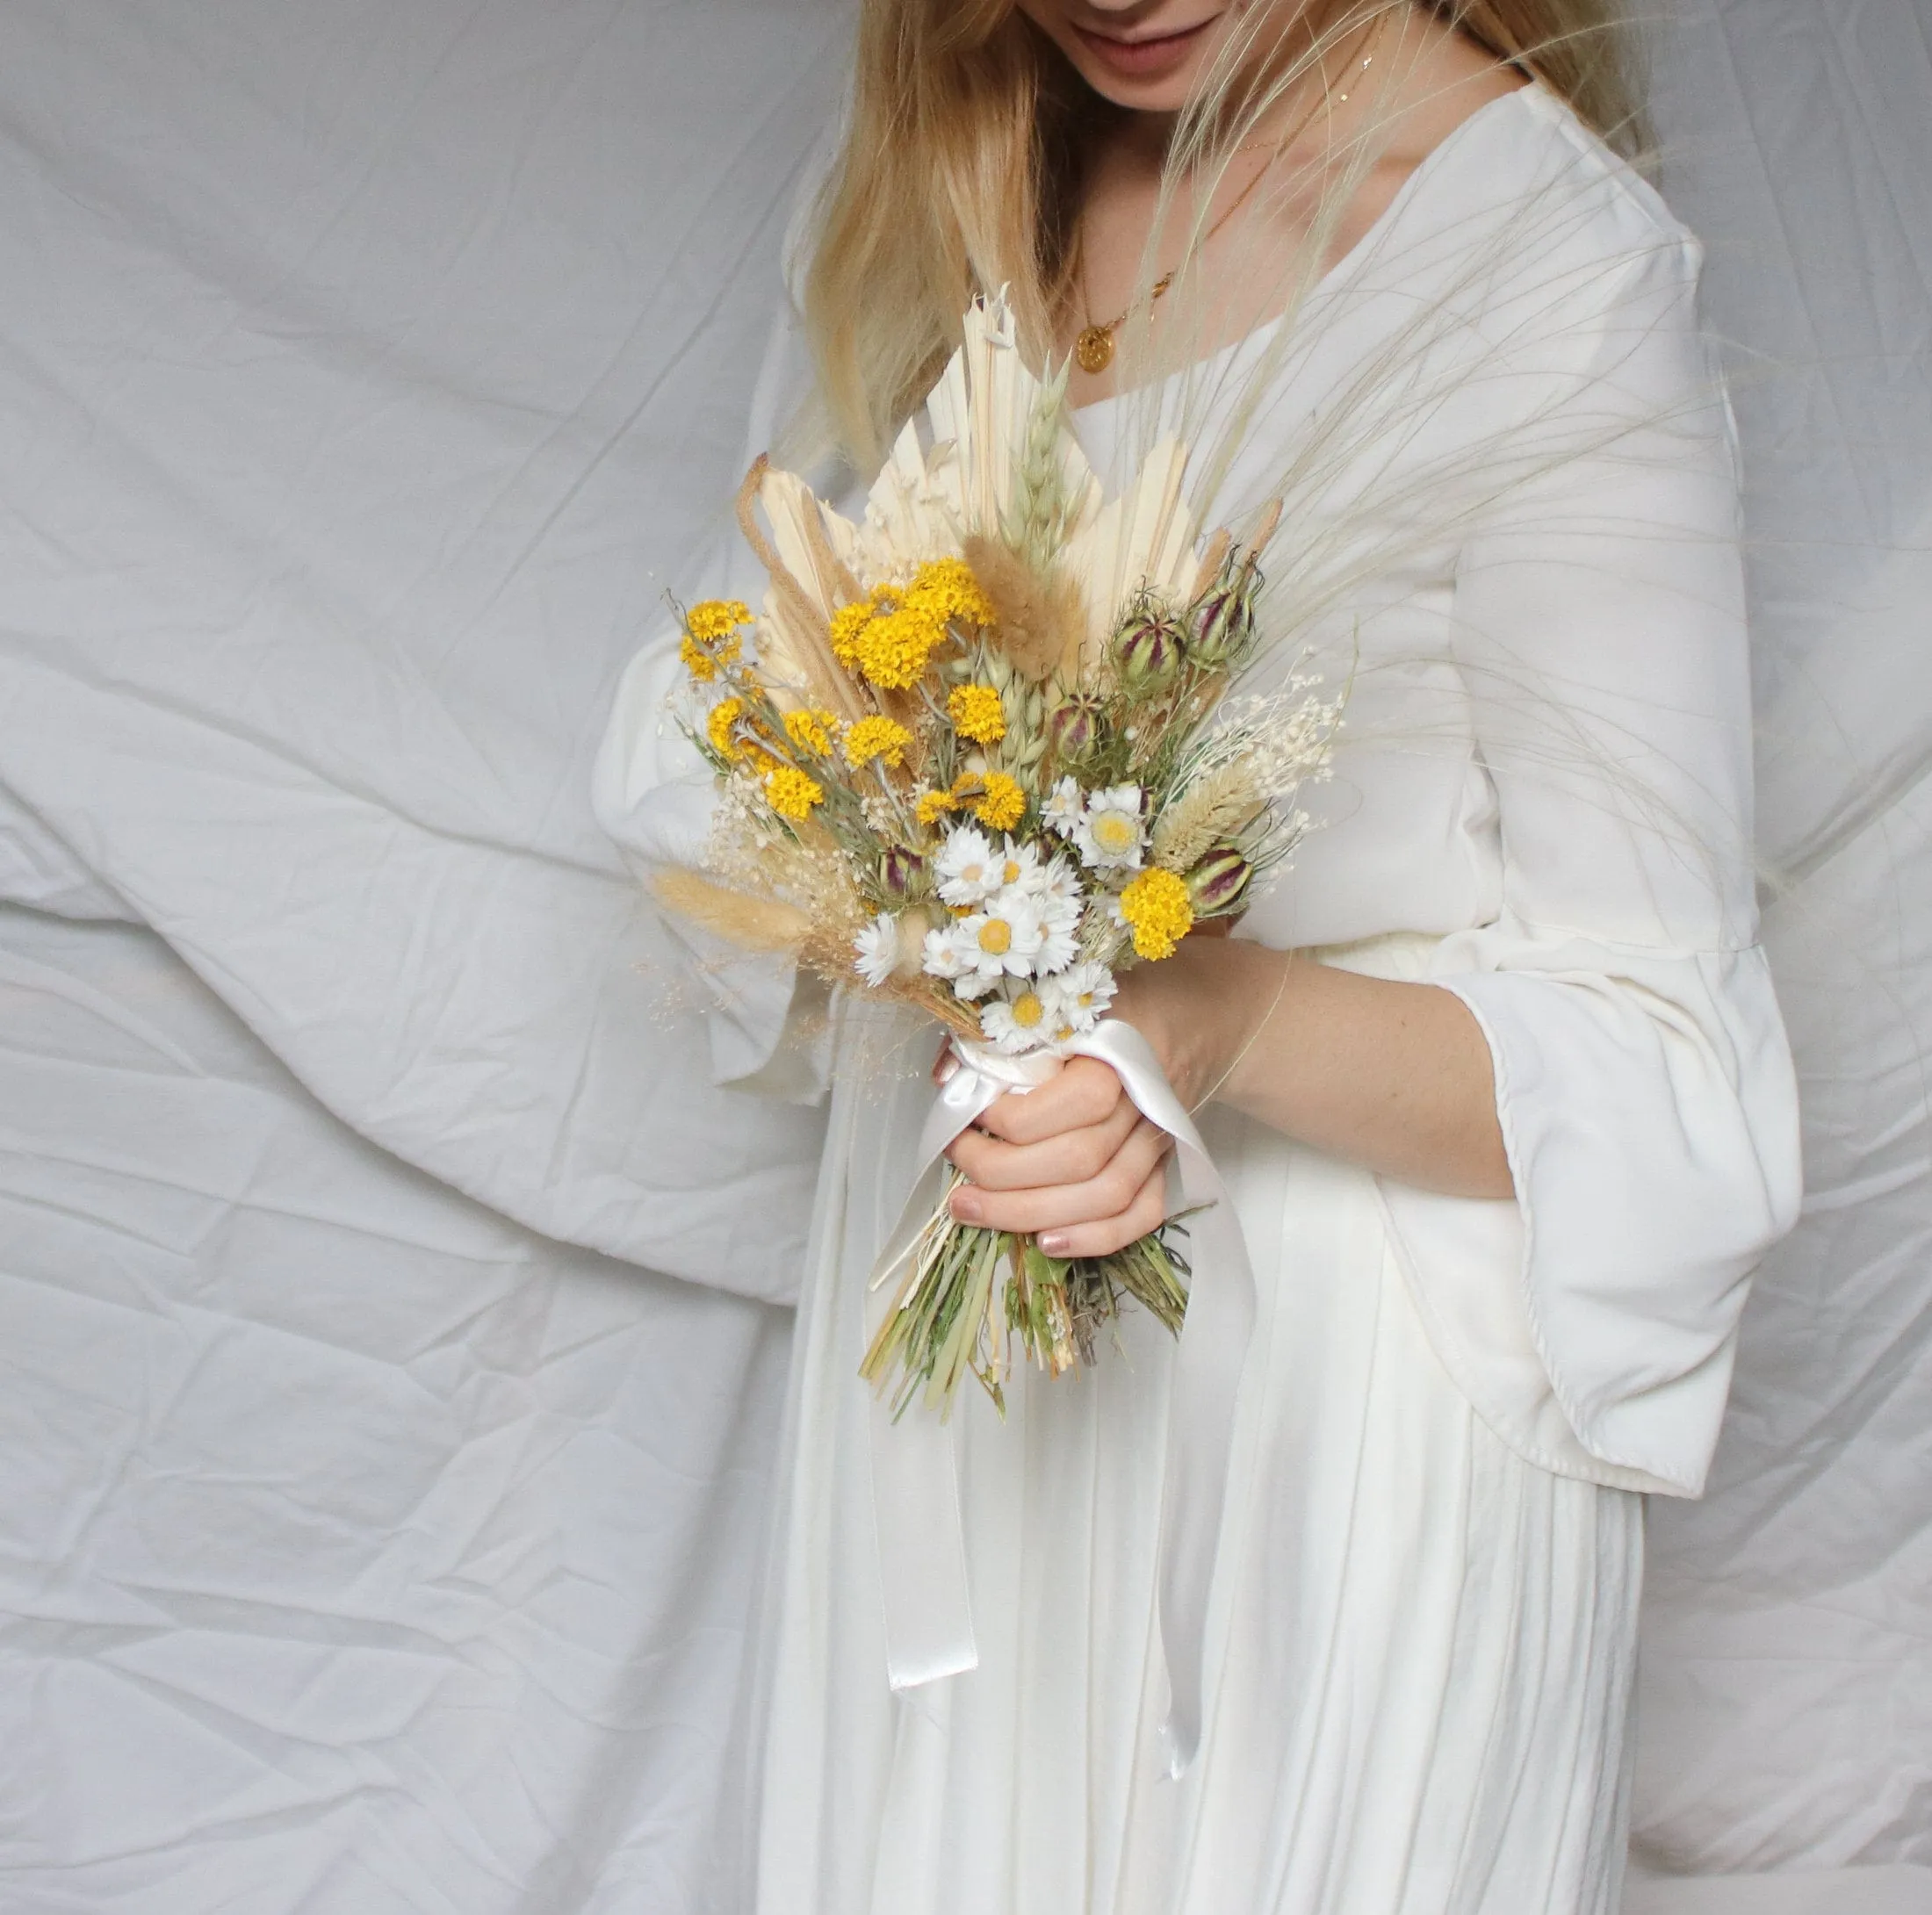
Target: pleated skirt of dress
(1421, 1650)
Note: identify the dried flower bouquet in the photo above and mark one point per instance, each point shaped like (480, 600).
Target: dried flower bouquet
(976, 754)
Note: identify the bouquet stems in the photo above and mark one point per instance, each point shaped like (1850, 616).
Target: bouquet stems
(974, 1302)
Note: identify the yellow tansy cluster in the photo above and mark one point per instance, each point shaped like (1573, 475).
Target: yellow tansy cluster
(848, 623)
(811, 730)
(712, 619)
(945, 588)
(702, 664)
(869, 739)
(717, 728)
(889, 638)
(997, 800)
(1157, 906)
(711, 636)
(977, 714)
(1002, 804)
(791, 793)
(894, 647)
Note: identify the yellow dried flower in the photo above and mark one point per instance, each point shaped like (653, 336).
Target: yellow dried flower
(876, 738)
(791, 794)
(718, 727)
(848, 623)
(933, 806)
(712, 619)
(945, 588)
(977, 714)
(1004, 804)
(894, 646)
(811, 729)
(1157, 906)
(702, 663)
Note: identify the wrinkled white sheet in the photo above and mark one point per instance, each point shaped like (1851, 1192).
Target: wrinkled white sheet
(1785, 1699)
(362, 1550)
(371, 1537)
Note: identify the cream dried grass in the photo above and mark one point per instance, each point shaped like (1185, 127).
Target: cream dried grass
(1216, 805)
(754, 923)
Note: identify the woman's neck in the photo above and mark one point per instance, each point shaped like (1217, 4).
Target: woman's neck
(1424, 79)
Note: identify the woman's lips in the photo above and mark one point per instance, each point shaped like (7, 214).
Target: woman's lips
(1142, 59)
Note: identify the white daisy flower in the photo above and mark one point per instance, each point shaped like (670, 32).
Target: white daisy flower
(1110, 833)
(967, 867)
(1021, 870)
(1060, 928)
(939, 954)
(952, 953)
(1001, 940)
(1017, 1023)
(1060, 880)
(878, 948)
(1076, 999)
(1063, 808)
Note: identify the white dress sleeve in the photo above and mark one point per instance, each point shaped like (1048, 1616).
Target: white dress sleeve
(1642, 1077)
(653, 793)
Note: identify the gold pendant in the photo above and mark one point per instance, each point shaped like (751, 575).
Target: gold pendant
(1094, 349)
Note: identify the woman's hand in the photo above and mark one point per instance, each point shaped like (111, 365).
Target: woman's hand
(1073, 1162)
(1390, 1075)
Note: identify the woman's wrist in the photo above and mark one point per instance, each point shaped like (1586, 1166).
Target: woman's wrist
(1202, 1008)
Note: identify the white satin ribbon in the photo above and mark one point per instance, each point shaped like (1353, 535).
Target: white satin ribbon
(915, 1483)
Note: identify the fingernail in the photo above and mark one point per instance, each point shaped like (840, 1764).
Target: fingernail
(965, 1206)
(1053, 1244)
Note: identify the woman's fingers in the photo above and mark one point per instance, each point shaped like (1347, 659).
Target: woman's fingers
(1072, 1162)
(1083, 1092)
(1110, 1193)
(1147, 1211)
(1071, 1157)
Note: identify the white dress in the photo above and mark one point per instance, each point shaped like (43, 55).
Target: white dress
(1421, 1635)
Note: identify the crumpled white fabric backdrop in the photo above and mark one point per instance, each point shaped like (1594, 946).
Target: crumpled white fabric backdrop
(378, 1507)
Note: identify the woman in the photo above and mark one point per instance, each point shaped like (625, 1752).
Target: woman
(1495, 1078)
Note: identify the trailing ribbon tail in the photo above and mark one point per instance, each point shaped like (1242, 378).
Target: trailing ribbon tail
(915, 1483)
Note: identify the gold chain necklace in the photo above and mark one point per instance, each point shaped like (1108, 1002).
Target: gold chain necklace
(1093, 348)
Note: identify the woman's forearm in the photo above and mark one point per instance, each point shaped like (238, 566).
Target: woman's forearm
(1394, 1075)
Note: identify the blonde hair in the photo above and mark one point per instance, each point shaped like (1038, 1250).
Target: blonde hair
(960, 173)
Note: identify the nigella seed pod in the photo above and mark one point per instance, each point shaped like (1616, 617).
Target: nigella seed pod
(901, 872)
(1219, 881)
(1073, 728)
(1223, 621)
(1147, 647)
